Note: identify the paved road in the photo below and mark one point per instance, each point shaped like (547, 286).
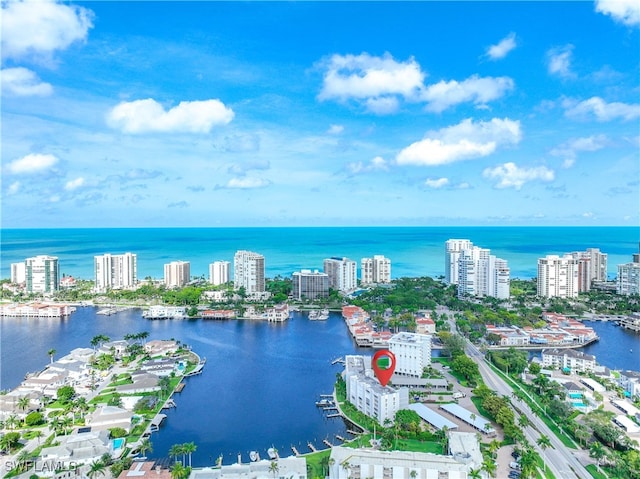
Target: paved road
(561, 460)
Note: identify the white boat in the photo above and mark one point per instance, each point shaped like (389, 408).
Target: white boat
(272, 453)
(323, 315)
(314, 315)
(254, 456)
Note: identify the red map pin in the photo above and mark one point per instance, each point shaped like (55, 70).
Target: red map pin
(383, 364)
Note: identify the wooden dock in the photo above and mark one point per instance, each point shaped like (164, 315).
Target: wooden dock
(312, 447)
(329, 416)
(340, 438)
(180, 387)
(327, 443)
(295, 451)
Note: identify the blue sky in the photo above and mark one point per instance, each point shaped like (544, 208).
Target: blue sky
(320, 113)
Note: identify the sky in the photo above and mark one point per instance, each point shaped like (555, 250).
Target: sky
(160, 114)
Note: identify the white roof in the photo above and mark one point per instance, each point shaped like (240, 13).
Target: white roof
(432, 417)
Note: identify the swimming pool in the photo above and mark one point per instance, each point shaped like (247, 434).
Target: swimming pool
(118, 443)
(575, 395)
(578, 404)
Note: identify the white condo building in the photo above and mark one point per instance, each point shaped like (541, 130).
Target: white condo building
(628, 281)
(479, 273)
(115, 271)
(366, 393)
(375, 270)
(310, 285)
(42, 274)
(342, 273)
(248, 272)
(412, 352)
(452, 250)
(558, 277)
(18, 273)
(219, 272)
(177, 274)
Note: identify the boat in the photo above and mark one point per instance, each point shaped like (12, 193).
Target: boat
(314, 315)
(323, 315)
(254, 456)
(324, 403)
(272, 453)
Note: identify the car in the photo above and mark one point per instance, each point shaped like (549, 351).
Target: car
(514, 465)
(514, 475)
(515, 454)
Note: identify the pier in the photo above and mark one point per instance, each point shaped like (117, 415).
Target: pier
(327, 443)
(295, 451)
(180, 387)
(329, 416)
(169, 404)
(340, 438)
(312, 447)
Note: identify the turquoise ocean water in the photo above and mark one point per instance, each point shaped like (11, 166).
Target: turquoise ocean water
(414, 251)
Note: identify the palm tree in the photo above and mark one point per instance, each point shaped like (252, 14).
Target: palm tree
(97, 468)
(493, 447)
(544, 442)
(51, 353)
(189, 448)
(523, 421)
(345, 465)
(23, 403)
(474, 473)
(597, 451)
(178, 471)
(489, 466)
(145, 445)
(274, 468)
(175, 451)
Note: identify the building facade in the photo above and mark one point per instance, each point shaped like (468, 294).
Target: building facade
(342, 273)
(310, 285)
(412, 352)
(558, 277)
(219, 272)
(177, 274)
(18, 273)
(42, 274)
(248, 271)
(452, 250)
(568, 359)
(375, 270)
(115, 271)
(479, 273)
(628, 280)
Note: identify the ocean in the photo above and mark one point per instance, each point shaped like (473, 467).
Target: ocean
(414, 251)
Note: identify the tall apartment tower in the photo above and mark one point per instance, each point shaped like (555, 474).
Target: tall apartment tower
(558, 277)
(598, 264)
(115, 271)
(482, 274)
(628, 280)
(452, 249)
(375, 270)
(219, 272)
(42, 274)
(342, 273)
(248, 271)
(412, 352)
(18, 273)
(310, 285)
(177, 274)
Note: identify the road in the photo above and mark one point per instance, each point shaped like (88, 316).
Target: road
(561, 460)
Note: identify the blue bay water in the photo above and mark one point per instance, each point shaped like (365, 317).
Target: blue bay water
(414, 251)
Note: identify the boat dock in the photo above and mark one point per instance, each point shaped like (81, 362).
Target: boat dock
(180, 387)
(312, 447)
(340, 438)
(198, 369)
(338, 360)
(169, 403)
(329, 416)
(295, 451)
(156, 422)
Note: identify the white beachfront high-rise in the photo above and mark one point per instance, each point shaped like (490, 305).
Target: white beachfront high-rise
(248, 271)
(115, 271)
(219, 272)
(375, 270)
(177, 274)
(558, 277)
(42, 274)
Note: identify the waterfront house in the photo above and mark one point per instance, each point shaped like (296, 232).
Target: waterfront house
(288, 467)
(630, 381)
(568, 359)
(117, 348)
(160, 366)
(159, 347)
(143, 382)
(107, 417)
(9, 403)
(146, 470)
(84, 447)
(425, 325)
(218, 314)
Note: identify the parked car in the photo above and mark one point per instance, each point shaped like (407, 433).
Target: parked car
(514, 465)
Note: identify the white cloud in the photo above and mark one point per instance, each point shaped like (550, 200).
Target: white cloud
(143, 116)
(624, 11)
(335, 129)
(462, 141)
(32, 163)
(376, 164)
(436, 183)
(502, 49)
(512, 176)
(14, 188)
(41, 26)
(246, 183)
(601, 110)
(480, 91)
(570, 149)
(559, 61)
(23, 82)
(375, 81)
(74, 184)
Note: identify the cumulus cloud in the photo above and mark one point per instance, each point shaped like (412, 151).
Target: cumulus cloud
(462, 141)
(570, 149)
(623, 11)
(376, 83)
(42, 26)
(32, 163)
(242, 168)
(74, 184)
(240, 143)
(376, 164)
(145, 116)
(502, 49)
(247, 183)
(559, 61)
(436, 183)
(509, 175)
(480, 91)
(23, 82)
(14, 188)
(601, 110)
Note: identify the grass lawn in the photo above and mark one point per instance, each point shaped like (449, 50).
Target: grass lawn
(314, 463)
(548, 474)
(419, 446)
(593, 470)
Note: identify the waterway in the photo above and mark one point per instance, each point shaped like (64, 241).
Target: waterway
(258, 388)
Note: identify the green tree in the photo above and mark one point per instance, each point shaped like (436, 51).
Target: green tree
(65, 394)
(544, 442)
(189, 448)
(274, 468)
(145, 446)
(51, 354)
(96, 468)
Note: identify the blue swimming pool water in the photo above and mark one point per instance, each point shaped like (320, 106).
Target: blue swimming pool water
(118, 443)
(575, 395)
